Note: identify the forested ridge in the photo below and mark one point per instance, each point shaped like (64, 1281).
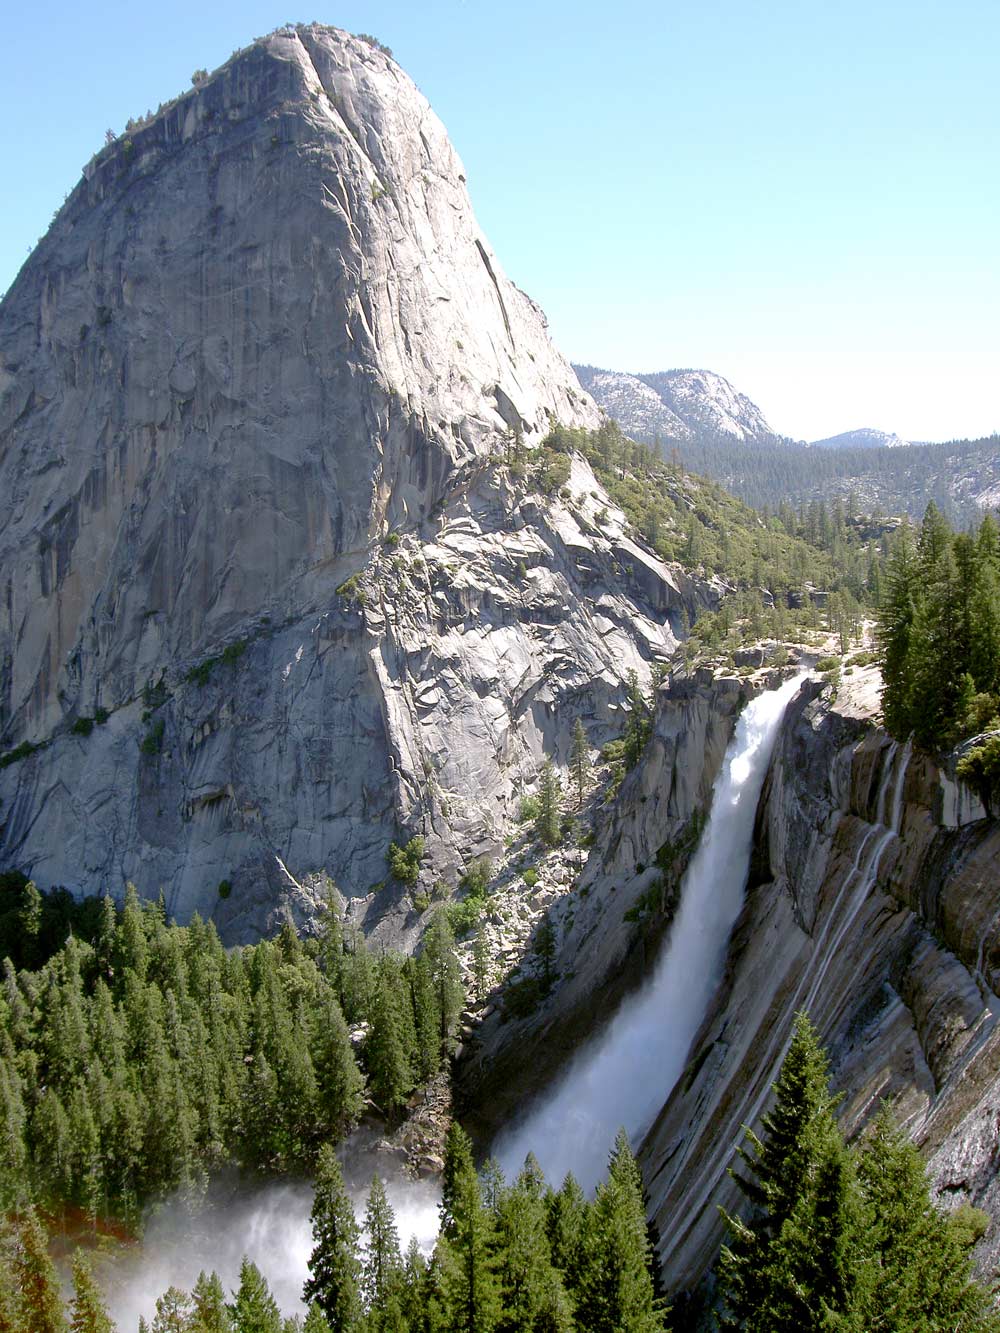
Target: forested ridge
(892, 481)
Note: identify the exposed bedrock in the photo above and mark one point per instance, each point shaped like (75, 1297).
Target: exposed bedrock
(257, 386)
(872, 904)
(619, 908)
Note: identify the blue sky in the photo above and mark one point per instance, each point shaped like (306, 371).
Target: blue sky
(804, 197)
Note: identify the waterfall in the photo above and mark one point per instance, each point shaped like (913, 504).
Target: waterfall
(627, 1070)
(622, 1077)
(855, 887)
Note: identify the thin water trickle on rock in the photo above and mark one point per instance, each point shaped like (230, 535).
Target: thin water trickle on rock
(628, 1069)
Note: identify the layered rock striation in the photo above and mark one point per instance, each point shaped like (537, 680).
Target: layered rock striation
(870, 905)
(257, 386)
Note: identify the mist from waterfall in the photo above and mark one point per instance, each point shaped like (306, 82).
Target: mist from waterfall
(621, 1077)
(267, 1223)
(625, 1073)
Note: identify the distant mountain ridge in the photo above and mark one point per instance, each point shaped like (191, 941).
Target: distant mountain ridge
(864, 438)
(680, 405)
(719, 432)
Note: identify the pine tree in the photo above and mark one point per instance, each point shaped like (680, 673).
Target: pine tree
(446, 979)
(413, 1295)
(935, 658)
(331, 934)
(465, 1277)
(340, 1083)
(548, 822)
(382, 1267)
(211, 1314)
(532, 1292)
(566, 1227)
(579, 761)
(334, 1267)
(544, 946)
(900, 598)
(922, 1277)
(638, 722)
(13, 1148)
(173, 1313)
(390, 1075)
(131, 944)
(254, 1309)
(423, 1002)
(798, 1265)
(88, 1313)
(40, 1307)
(616, 1285)
(315, 1321)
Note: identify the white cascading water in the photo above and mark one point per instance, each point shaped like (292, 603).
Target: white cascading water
(625, 1073)
(622, 1077)
(855, 888)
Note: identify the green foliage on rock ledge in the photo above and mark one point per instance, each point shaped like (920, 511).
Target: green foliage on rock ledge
(404, 862)
(939, 632)
(694, 521)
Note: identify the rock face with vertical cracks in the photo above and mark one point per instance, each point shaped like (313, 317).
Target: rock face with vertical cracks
(263, 335)
(872, 904)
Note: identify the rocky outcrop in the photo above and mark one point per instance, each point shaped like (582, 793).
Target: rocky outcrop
(679, 405)
(263, 329)
(871, 906)
(257, 387)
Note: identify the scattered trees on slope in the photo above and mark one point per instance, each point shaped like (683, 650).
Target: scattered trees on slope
(695, 521)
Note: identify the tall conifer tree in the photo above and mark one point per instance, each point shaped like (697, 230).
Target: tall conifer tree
(88, 1313)
(334, 1281)
(797, 1264)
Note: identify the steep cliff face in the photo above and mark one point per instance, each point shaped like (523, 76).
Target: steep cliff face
(871, 903)
(264, 337)
(261, 329)
(872, 906)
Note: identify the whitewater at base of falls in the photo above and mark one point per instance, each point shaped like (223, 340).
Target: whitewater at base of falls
(269, 1224)
(626, 1072)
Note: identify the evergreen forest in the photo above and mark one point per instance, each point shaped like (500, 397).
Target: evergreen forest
(139, 1063)
(939, 631)
(888, 481)
(835, 1237)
